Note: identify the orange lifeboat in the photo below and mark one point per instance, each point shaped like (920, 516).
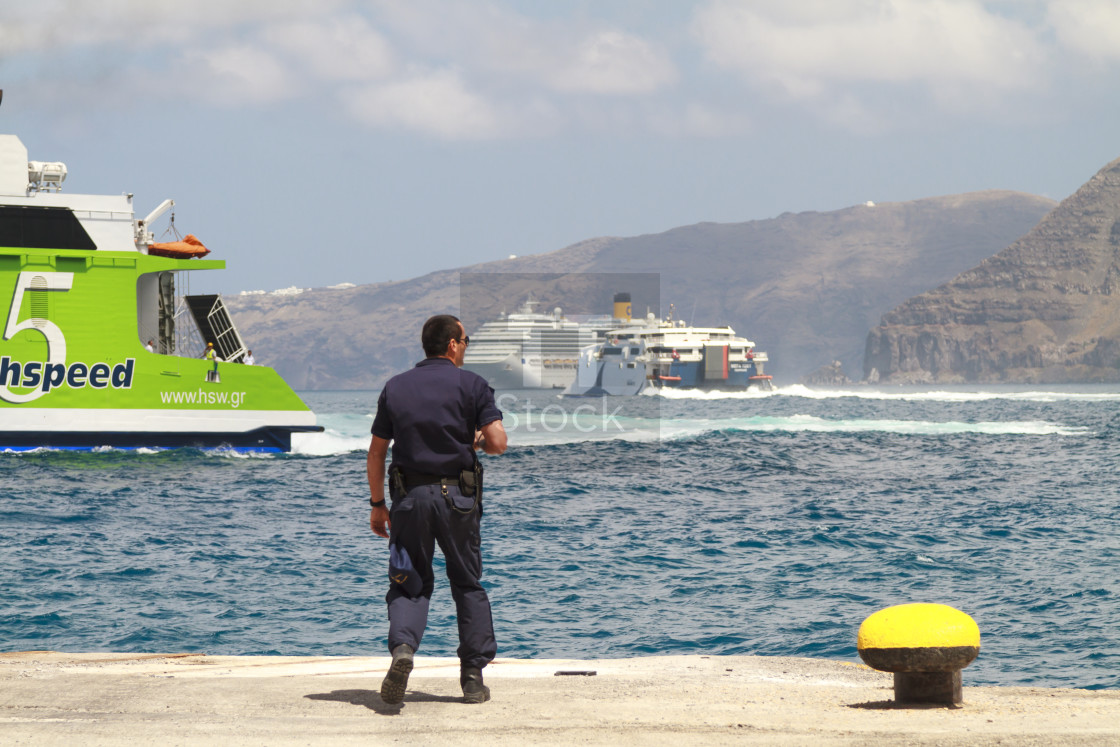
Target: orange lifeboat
(189, 247)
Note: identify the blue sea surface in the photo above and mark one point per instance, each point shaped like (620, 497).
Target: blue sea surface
(677, 523)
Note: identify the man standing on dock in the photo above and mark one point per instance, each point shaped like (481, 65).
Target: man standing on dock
(436, 415)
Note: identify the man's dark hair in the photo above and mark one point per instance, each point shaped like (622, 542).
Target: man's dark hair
(438, 331)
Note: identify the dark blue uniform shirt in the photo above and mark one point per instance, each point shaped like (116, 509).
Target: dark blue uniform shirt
(431, 413)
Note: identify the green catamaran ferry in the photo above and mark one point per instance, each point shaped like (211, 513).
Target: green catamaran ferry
(87, 292)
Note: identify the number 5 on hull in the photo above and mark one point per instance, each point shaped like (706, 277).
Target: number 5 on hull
(56, 340)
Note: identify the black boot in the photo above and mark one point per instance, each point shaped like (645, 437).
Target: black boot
(396, 679)
(473, 689)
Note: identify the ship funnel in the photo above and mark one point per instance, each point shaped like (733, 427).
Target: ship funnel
(622, 306)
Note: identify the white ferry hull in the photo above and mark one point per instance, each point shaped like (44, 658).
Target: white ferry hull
(660, 354)
(33, 428)
(514, 373)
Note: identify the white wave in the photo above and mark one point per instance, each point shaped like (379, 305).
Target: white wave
(231, 453)
(328, 443)
(711, 394)
(808, 423)
(675, 429)
(978, 395)
(343, 433)
(346, 433)
(644, 433)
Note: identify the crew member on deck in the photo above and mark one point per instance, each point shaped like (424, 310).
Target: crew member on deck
(212, 355)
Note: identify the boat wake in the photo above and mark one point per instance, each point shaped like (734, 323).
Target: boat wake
(346, 434)
(977, 395)
(553, 426)
(329, 443)
(678, 429)
(683, 429)
(645, 430)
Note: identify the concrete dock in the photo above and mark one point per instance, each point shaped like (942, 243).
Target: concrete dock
(167, 699)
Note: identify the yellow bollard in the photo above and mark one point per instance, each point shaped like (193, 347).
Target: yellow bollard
(925, 645)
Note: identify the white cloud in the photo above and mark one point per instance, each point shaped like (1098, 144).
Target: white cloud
(505, 68)
(808, 48)
(514, 50)
(513, 75)
(344, 48)
(610, 62)
(436, 103)
(44, 24)
(235, 74)
(699, 120)
(498, 71)
(1087, 27)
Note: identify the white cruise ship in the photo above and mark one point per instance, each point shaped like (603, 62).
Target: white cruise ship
(529, 350)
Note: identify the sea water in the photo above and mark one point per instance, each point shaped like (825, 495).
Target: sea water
(676, 523)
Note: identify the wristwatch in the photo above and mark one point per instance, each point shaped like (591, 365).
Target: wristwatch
(378, 504)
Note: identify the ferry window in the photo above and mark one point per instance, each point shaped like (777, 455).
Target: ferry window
(42, 227)
(635, 351)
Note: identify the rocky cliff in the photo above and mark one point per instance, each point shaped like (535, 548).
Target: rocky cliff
(1045, 309)
(805, 287)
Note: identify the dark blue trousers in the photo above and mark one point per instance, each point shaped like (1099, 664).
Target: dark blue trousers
(420, 519)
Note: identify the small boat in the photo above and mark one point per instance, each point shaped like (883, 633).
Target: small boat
(186, 248)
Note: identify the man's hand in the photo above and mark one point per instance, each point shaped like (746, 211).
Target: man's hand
(491, 438)
(375, 470)
(379, 521)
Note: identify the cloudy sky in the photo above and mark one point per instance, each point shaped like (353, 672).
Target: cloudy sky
(314, 142)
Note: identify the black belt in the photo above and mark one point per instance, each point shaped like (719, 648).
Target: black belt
(406, 481)
(416, 479)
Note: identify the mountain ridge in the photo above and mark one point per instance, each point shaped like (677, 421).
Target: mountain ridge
(806, 287)
(1046, 309)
